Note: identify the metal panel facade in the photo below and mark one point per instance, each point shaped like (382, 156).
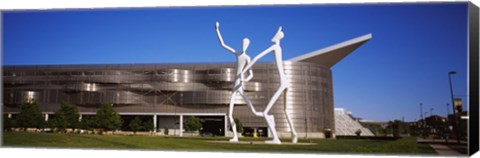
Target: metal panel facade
(176, 88)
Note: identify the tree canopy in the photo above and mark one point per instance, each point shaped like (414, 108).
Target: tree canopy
(8, 123)
(135, 125)
(148, 126)
(192, 124)
(66, 117)
(107, 118)
(29, 116)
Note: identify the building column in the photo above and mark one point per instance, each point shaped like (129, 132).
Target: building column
(46, 117)
(225, 129)
(9, 115)
(155, 123)
(181, 125)
(80, 117)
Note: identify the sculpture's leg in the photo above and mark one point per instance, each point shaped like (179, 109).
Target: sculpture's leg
(249, 103)
(232, 121)
(271, 126)
(270, 119)
(289, 119)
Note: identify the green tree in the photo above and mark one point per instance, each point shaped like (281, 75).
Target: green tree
(66, 117)
(358, 132)
(30, 116)
(192, 124)
(399, 127)
(387, 130)
(135, 125)
(59, 123)
(239, 125)
(8, 123)
(148, 125)
(107, 119)
(373, 127)
(87, 123)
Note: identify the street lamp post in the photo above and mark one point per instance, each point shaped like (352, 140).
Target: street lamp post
(448, 111)
(425, 120)
(421, 113)
(453, 105)
(451, 89)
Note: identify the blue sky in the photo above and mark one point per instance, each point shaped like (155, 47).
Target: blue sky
(413, 47)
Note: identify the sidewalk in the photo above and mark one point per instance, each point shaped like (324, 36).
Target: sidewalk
(445, 150)
(439, 145)
(421, 140)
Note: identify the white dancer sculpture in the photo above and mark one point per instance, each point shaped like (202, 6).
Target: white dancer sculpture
(277, 50)
(242, 60)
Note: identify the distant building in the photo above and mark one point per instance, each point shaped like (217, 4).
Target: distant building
(434, 120)
(462, 120)
(347, 125)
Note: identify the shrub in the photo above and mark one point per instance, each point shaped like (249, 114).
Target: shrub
(165, 131)
(148, 126)
(8, 123)
(135, 125)
(239, 125)
(192, 124)
(358, 132)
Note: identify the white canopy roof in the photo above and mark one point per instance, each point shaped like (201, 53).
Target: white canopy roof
(330, 55)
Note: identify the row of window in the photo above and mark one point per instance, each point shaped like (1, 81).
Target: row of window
(296, 71)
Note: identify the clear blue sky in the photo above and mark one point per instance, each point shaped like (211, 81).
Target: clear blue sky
(413, 48)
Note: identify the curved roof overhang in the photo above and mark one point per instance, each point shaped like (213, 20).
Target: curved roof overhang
(331, 55)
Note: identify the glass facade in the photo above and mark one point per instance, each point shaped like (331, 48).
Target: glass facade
(177, 88)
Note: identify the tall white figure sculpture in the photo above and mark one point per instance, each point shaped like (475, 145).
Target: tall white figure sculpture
(242, 60)
(277, 50)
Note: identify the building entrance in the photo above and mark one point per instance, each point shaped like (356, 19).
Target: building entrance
(212, 125)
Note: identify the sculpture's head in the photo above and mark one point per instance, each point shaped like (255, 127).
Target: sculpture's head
(279, 35)
(245, 44)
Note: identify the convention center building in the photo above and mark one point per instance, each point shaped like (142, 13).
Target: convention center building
(169, 93)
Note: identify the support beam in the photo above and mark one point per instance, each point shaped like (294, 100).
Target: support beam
(181, 125)
(155, 123)
(269, 134)
(46, 117)
(80, 117)
(225, 129)
(9, 115)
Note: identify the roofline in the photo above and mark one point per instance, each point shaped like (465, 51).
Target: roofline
(353, 41)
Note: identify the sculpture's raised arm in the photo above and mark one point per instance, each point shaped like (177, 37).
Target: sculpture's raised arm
(219, 35)
(265, 52)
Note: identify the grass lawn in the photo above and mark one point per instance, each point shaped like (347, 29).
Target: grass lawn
(406, 145)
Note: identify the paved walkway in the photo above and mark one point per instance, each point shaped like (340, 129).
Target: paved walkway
(439, 146)
(445, 150)
(260, 142)
(420, 140)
